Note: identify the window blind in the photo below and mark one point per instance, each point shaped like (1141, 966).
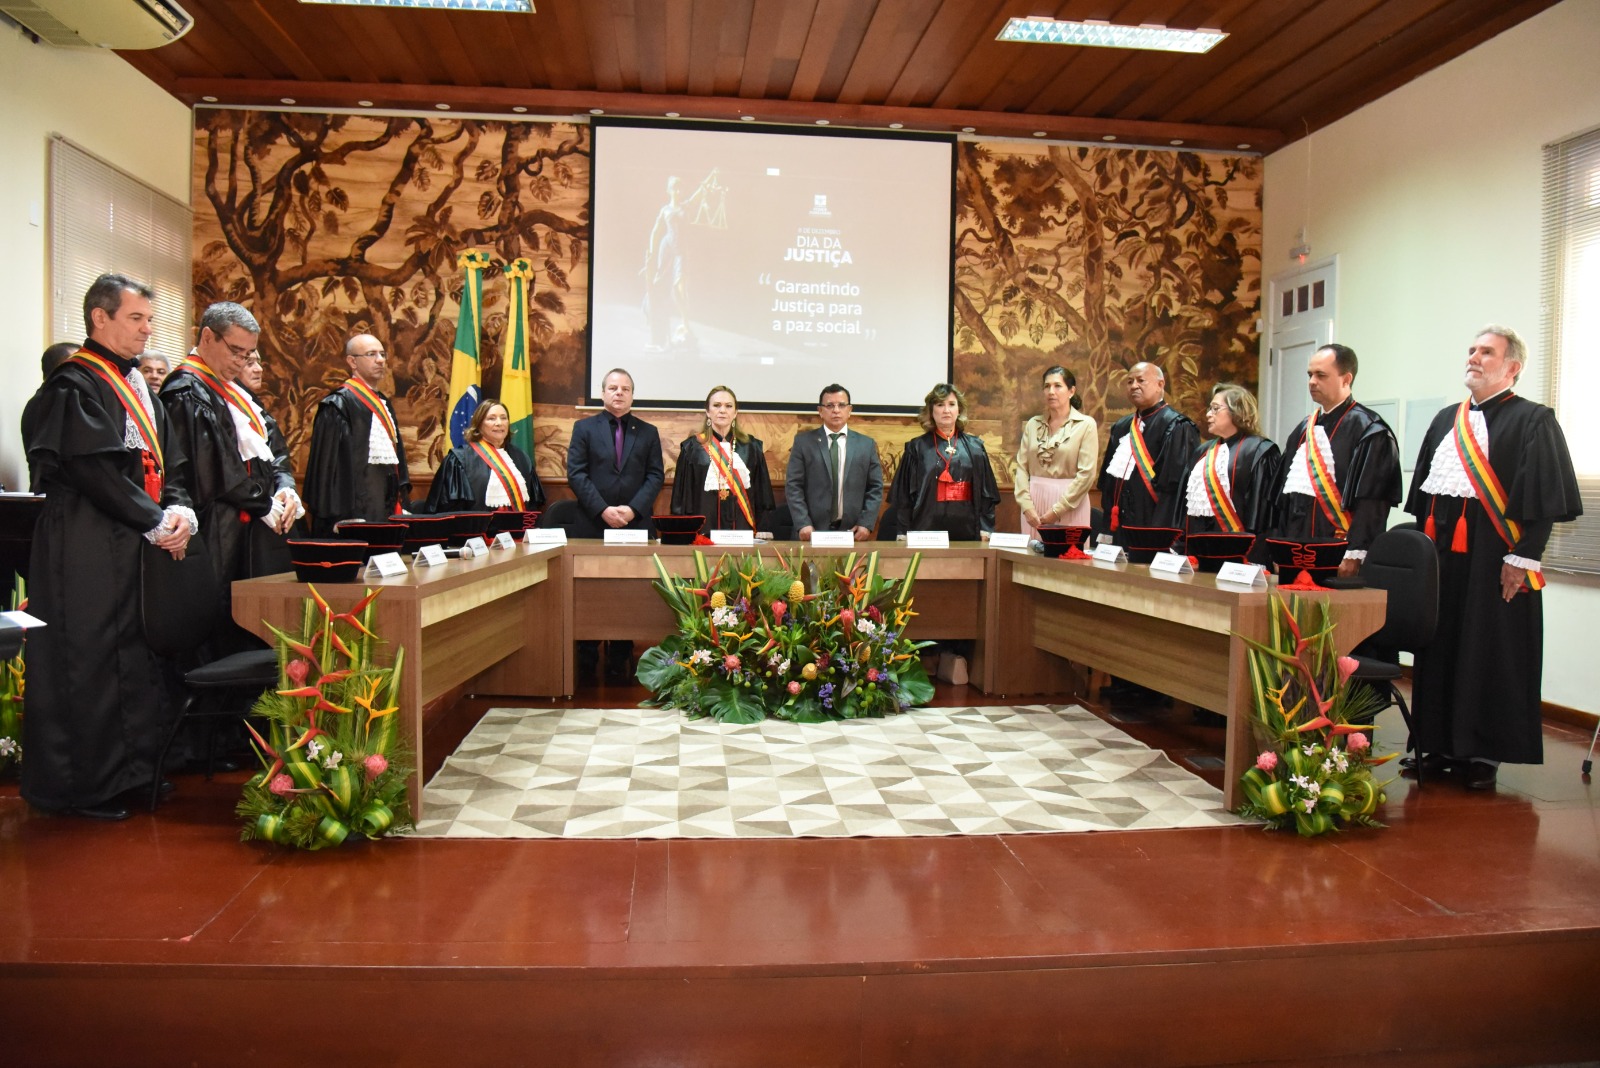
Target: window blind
(102, 219)
(1570, 288)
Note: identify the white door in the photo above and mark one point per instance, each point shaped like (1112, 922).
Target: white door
(1300, 320)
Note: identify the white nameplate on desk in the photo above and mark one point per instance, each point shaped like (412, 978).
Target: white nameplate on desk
(503, 540)
(431, 556)
(733, 537)
(833, 539)
(927, 539)
(1171, 564)
(474, 547)
(1108, 553)
(545, 536)
(1243, 574)
(18, 616)
(1008, 541)
(626, 536)
(387, 564)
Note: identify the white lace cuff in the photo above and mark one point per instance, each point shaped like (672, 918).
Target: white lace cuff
(1355, 554)
(1524, 563)
(169, 519)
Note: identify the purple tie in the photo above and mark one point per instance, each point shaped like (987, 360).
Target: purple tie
(617, 424)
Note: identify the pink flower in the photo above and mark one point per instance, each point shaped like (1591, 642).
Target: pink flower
(872, 674)
(376, 765)
(874, 614)
(794, 687)
(1347, 667)
(1357, 743)
(778, 609)
(282, 785)
(730, 662)
(1267, 761)
(847, 617)
(297, 670)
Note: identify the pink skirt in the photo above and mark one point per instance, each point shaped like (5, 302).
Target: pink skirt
(1045, 493)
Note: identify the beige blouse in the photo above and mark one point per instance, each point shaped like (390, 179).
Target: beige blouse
(1070, 453)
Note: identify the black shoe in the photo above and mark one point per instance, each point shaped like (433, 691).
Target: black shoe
(1432, 764)
(1479, 776)
(111, 812)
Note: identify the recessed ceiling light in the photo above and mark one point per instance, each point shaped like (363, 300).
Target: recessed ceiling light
(597, 111)
(516, 7)
(442, 107)
(1176, 141)
(969, 129)
(364, 103)
(1040, 133)
(1109, 137)
(672, 114)
(209, 99)
(897, 126)
(1108, 35)
(1244, 146)
(286, 100)
(747, 118)
(822, 122)
(520, 110)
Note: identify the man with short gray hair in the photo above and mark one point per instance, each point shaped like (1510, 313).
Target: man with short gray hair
(1493, 476)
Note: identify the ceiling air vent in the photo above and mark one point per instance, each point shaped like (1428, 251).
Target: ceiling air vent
(122, 24)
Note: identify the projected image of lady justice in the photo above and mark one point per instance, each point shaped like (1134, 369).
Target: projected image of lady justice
(666, 269)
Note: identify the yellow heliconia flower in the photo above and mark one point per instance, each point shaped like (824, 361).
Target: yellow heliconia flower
(376, 684)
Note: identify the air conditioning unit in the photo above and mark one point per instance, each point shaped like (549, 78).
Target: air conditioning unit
(122, 24)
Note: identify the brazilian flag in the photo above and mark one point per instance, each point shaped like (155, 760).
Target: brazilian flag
(516, 382)
(465, 376)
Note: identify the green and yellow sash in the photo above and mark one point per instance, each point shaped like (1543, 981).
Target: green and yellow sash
(229, 393)
(502, 471)
(1222, 508)
(1486, 484)
(1326, 490)
(1142, 459)
(375, 405)
(729, 478)
(129, 400)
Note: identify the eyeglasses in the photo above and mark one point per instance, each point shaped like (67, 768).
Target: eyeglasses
(375, 354)
(836, 406)
(1217, 408)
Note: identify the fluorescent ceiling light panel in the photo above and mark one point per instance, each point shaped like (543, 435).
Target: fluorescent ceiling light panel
(1107, 35)
(515, 7)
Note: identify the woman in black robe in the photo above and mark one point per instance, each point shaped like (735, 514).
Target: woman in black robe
(732, 492)
(944, 481)
(467, 482)
(1245, 466)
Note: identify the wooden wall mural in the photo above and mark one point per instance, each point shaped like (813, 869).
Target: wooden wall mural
(329, 225)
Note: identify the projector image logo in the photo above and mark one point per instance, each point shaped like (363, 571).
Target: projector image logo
(819, 204)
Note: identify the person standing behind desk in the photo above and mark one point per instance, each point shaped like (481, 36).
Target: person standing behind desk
(1342, 472)
(944, 481)
(817, 495)
(357, 466)
(1056, 459)
(99, 451)
(1147, 456)
(614, 468)
(1234, 476)
(488, 472)
(722, 471)
(1493, 476)
(269, 550)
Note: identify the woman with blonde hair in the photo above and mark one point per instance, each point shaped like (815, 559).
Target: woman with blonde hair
(1233, 477)
(487, 473)
(944, 481)
(722, 471)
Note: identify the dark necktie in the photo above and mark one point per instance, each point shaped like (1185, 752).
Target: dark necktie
(617, 437)
(835, 465)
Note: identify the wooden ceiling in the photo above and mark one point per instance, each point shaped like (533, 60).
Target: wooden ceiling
(1288, 66)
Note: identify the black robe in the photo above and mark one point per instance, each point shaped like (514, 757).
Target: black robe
(690, 497)
(1253, 463)
(1366, 468)
(95, 690)
(1476, 689)
(230, 494)
(462, 481)
(914, 493)
(1172, 439)
(340, 484)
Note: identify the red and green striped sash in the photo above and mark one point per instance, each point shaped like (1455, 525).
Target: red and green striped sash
(375, 405)
(228, 392)
(502, 471)
(1486, 484)
(1327, 492)
(1222, 508)
(1142, 459)
(729, 478)
(129, 400)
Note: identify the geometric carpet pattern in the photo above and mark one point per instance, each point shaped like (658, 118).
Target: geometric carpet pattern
(652, 773)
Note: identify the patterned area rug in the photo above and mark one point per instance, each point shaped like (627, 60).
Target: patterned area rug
(651, 773)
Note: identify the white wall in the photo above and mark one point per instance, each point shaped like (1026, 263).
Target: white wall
(1430, 198)
(98, 101)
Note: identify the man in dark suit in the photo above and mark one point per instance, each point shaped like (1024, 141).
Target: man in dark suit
(835, 481)
(614, 469)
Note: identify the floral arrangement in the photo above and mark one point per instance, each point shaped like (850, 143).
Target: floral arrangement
(1315, 767)
(13, 683)
(332, 760)
(802, 640)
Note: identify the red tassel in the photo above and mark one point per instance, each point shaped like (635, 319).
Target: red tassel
(397, 508)
(1428, 528)
(1115, 520)
(152, 477)
(1458, 543)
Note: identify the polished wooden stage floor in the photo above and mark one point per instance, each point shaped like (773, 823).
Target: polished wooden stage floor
(1466, 933)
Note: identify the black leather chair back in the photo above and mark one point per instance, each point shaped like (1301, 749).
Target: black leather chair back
(1404, 563)
(564, 513)
(888, 524)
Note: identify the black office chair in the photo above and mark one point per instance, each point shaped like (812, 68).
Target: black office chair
(223, 689)
(1404, 563)
(888, 524)
(564, 513)
(778, 522)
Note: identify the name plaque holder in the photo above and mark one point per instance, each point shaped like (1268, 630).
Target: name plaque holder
(1008, 541)
(927, 539)
(613, 536)
(733, 538)
(1108, 553)
(1171, 564)
(431, 556)
(503, 540)
(833, 539)
(1243, 574)
(474, 547)
(545, 536)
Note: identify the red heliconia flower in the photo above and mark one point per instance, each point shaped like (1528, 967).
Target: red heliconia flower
(730, 662)
(874, 614)
(297, 670)
(778, 609)
(375, 765)
(1347, 667)
(1267, 761)
(847, 617)
(282, 785)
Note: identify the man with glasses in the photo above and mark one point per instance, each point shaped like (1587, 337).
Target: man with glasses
(835, 481)
(1147, 457)
(234, 480)
(357, 467)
